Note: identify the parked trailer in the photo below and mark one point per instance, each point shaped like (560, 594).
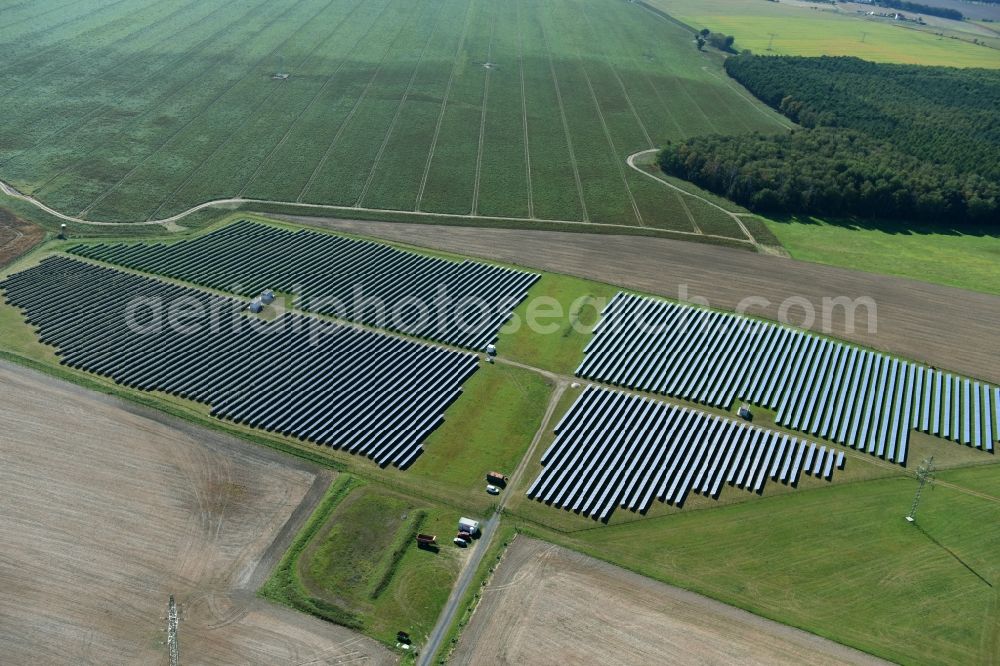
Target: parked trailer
(468, 525)
(496, 478)
(427, 539)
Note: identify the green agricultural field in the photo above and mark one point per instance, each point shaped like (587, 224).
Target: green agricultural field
(967, 260)
(520, 109)
(813, 29)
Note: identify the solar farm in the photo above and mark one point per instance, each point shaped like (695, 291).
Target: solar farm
(328, 383)
(458, 303)
(654, 433)
(613, 449)
(382, 314)
(856, 397)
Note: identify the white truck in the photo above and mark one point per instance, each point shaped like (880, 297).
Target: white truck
(468, 525)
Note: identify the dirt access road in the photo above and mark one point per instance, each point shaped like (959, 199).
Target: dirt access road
(549, 605)
(109, 508)
(946, 327)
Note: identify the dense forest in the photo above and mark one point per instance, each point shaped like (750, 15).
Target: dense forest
(834, 172)
(898, 141)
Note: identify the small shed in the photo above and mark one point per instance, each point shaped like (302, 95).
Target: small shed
(255, 306)
(267, 297)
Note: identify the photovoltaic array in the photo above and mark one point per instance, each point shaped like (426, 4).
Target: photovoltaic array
(864, 399)
(460, 303)
(368, 393)
(614, 449)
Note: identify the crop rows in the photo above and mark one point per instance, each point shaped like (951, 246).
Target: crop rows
(510, 108)
(615, 450)
(348, 388)
(864, 399)
(460, 303)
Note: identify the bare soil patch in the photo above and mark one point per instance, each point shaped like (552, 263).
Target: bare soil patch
(17, 236)
(946, 327)
(109, 508)
(549, 605)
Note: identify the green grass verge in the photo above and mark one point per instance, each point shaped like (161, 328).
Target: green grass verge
(956, 259)
(550, 329)
(284, 587)
(360, 557)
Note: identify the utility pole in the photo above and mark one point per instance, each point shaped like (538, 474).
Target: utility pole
(173, 647)
(864, 35)
(925, 475)
(770, 41)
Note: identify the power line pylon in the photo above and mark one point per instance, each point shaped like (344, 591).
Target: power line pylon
(925, 475)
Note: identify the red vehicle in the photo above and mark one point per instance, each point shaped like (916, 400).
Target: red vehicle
(427, 539)
(497, 478)
(465, 536)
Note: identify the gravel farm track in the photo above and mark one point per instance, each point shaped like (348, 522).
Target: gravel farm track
(109, 508)
(539, 608)
(949, 328)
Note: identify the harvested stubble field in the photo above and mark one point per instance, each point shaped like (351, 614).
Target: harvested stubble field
(942, 326)
(516, 108)
(109, 509)
(548, 605)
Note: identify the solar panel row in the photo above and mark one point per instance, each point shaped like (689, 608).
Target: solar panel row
(828, 389)
(369, 393)
(461, 303)
(615, 449)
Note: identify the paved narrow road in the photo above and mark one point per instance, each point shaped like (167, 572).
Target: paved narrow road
(482, 544)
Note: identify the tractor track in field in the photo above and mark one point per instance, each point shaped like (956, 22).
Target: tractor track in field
(488, 65)
(631, 162)
(395, 118)
(444, 107)
(201, 112)
(349, 117)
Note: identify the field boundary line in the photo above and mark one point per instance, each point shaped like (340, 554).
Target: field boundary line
(524, 107)
(170, 222)
(322, 88)
(354, 109)
(252, 115)
(101, 110)
(631, 162)
(482, 114)
(444, 106)
(107, 192)
(399, 111)
(565, 124)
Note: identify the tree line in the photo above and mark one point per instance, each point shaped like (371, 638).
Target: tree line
(906, 6)
(880, 140)
(832, 172)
